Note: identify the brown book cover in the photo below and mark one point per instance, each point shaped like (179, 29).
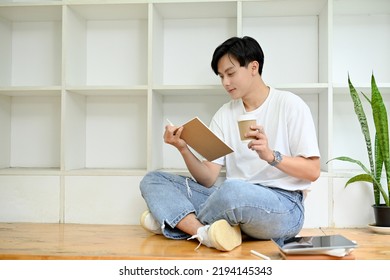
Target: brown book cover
(350, 256)
(199, 137)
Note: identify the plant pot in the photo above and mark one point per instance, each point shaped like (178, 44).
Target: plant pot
(382, 215)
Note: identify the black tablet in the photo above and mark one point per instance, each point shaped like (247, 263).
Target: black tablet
(326, 244)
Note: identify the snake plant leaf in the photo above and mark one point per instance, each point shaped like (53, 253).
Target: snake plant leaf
(381, 127)
(369, 179)
(378, 169)
(348, 159)
(363, 122)
(358, 178)
(366, 97)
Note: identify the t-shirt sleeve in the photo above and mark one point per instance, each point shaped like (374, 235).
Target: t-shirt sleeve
(302, 132)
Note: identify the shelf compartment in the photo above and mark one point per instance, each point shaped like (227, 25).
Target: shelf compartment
(291, 39)
(111, 199)
(30, 49)
(30, 127)
(361, 41)
(185, 36)
(178, 109)
(33, 199)
(107, 45)
(105, 131)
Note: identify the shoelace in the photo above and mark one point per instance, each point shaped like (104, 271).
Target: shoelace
(200, 239)
(198, 235)
(189, 192)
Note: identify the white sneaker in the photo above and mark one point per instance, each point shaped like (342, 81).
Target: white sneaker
(149, 223)
(220, 235)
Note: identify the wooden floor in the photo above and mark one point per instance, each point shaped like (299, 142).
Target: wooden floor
(94, 242)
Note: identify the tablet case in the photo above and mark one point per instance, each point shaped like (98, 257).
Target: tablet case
(350, 256)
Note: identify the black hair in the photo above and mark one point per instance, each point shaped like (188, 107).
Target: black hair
(244, 50)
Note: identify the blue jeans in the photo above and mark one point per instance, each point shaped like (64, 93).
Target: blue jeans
(261, 212)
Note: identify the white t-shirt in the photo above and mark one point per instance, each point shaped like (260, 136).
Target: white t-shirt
(290, 129)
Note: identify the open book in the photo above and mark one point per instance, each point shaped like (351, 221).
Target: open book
(200, 138)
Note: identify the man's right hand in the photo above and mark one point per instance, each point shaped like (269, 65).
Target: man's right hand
(172, 137)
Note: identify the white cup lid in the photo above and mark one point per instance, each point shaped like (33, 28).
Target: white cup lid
(246, 117)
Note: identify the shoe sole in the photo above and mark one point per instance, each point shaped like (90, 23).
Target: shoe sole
(224, 236)
(142, 222)
(142, 219)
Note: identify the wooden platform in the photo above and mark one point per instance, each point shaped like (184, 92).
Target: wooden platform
(94, 242)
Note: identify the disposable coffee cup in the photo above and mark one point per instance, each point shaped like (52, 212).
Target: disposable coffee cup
(244, 124)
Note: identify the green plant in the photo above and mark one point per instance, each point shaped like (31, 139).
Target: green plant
(380, 158)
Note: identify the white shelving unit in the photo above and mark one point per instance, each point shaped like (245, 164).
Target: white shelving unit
(86, 88)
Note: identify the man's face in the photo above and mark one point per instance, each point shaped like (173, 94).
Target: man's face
(235, 79)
